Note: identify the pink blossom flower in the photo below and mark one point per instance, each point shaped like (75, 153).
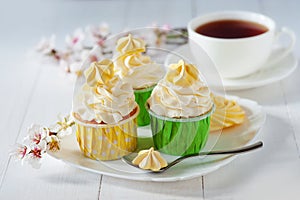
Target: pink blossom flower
(95, 55)
(36, 134)
(46, 46)
(71, 63)
(74, 42)
(65, 65)
(166, 27)
(163, 28)
(98, 32)
(100, 42)
(19, 151)
(68, 58)
(35, 154)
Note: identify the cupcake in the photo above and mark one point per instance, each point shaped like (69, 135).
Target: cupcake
(228, 113)
(180, 107)
(138, 70)
(105, 114)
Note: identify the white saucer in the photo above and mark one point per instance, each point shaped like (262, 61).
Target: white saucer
(265, 76)
(194, 167)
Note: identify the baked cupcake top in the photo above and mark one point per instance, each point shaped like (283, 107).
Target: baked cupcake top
(150, 159)
(134, 67)
(227, 113)
(181, 93)
(104, 98)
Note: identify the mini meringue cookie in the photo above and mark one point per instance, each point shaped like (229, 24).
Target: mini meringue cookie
(129, 44)
(181, 93)
(105, 98)
(227, 113)
(139, 70)
(150, 159)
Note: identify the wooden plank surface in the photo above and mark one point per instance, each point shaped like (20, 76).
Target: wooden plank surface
(290, 88)
(34, 93)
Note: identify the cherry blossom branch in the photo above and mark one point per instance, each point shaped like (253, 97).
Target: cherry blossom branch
(81, 41)
(40, 139)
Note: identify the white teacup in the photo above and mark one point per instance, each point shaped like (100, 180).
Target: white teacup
(237, 57)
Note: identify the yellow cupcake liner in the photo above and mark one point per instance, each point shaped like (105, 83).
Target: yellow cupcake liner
(107, 142)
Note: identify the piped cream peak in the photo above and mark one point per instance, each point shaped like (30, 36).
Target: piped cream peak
(181, 93)
(182, 74)
(130, 44)
(100, 73)
(150, 159)
(228, 113)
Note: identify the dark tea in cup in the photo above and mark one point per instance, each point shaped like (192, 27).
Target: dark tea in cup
(238, 42)
(231, 28)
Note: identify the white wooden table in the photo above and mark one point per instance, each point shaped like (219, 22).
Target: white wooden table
(35, 93)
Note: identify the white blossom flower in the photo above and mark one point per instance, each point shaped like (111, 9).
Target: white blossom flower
(95, 55)
(64, 64)
(46, 46)
(36, 134)
(19, 151)
(67, 58)
(75, 41)
(53, 143)
(35, 154)
(63, 127)
(75, 68)
(98, 33)
(166, 27)
(72, 62)
(83, 54)
(161, 33)
(33, 161)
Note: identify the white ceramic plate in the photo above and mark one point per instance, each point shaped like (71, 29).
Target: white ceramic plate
(194, 167)
(265, 76)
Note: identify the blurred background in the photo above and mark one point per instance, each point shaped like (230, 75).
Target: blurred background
(26, 21)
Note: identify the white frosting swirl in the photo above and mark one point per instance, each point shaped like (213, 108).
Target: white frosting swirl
(181, 94)
(129, 44)
(150, 159)
(139, 70)
(105, 98)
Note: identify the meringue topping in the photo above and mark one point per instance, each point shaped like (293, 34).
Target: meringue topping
(181, 93)
(129, 44)
(105, 97)
(99, 73)
(150, 159)
(139, 70)
(227, 113)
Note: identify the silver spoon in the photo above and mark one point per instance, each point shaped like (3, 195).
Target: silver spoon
(129, 158)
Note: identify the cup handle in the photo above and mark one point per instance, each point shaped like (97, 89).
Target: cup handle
(287, 50)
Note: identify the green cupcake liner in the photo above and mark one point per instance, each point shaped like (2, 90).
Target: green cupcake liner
(179, 137)
(141, 96)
